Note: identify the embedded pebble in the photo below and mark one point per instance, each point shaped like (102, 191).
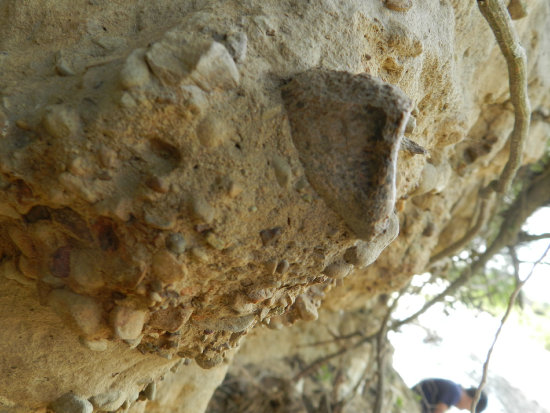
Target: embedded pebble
(234, 190)
(283, 267)
(260, 294)
(165, 64)
(127, 101)
(208, 362)
(157, 184)
(236, 45)
(215, 68)
(170, 319)
(305, 307)
(94, 345)
(61, 262)
(398, 5)
(108, 157)
(134, 72)
(203, 210)
(63, 66)
(212, 131)
(156, 220)
(338, 270)
(270, 236)
(155, 297)
(428, 180)
(127, 322)
(23, 242)
(71, 403)
(195, 98)
(411, 124)
(3, 124)
(61, 122)
(214, 241)
(150, 391)
(517, 9)
(270, 266)
(108, 401)
(412, 147)
(84, 311)
(176, 243)
(283, 173)
(85, 266)
(7, 210)
(200, 254)
(242, 305)
(232, 324)
(166, 267)
(9, 270)
(30, 267)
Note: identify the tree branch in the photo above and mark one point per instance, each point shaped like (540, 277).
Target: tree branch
(525, 237)
(500, 22)
(481, 220)
(534, 194)
(511, 302)
(381, 340)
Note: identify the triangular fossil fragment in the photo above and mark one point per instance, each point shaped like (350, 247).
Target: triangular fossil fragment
(347, 129)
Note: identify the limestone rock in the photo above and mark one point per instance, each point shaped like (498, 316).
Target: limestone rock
(70, 403)
(347, 129)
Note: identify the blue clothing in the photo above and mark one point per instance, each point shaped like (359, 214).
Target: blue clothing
(435, 391)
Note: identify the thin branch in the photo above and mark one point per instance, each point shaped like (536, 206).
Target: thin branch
(481, 220)
(511, 302)
(320, 361)
(532, 196)
(500, 22)
(381, 340)
(525, 237)
(333, 340)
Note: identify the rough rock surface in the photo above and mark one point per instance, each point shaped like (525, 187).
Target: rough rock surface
(161, 189)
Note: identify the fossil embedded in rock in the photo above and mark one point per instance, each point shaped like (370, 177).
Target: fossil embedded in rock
(348, 129)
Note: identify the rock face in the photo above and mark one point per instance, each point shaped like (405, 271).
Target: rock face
(174, 174)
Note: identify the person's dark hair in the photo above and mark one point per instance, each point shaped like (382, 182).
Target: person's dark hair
(482, 403)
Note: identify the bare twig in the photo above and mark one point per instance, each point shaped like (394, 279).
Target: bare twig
(511, 302)
(322, 360)
(533, 195)
(525, 237)
(481, 220)
(500, 22)
(381, 341)
(333, 340)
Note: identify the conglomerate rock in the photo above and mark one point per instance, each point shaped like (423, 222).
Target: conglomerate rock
(175, 173)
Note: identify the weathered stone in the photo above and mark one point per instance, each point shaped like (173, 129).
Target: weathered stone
(61, 122)
(127, 322)
(305, 307)
(108, 401)
(71, 403)
(84, 312)
(135, 72)
(150, 391)
(213, 131)
(170, 319)
(176, 243)
(355, 174)
(166, 267)
(338, 270)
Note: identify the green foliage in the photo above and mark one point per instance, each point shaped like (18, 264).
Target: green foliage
(325, 374)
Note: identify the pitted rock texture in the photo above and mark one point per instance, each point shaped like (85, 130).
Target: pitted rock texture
(154, 195)
(348, 130)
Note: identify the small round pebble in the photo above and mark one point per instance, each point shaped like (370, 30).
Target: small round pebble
(176, 243)
(71, 403)
(398, 5)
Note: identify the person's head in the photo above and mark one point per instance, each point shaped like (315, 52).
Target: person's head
(468, 397)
